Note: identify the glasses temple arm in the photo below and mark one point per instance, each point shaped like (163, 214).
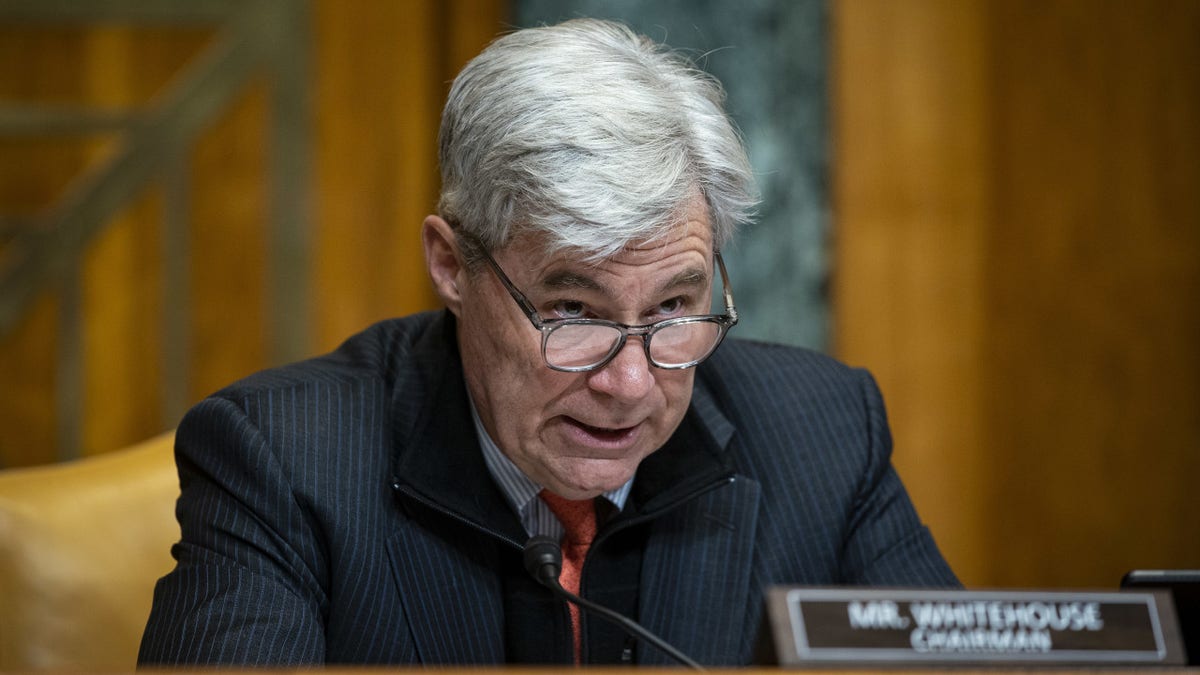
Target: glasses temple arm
(516, 294)
(726, 289)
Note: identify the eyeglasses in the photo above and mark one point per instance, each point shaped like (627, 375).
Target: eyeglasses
(579, 345)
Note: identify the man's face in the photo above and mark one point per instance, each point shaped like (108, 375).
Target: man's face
(581, 434)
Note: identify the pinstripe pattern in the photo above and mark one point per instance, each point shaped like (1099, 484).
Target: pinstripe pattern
(339, 511)
(701, 554)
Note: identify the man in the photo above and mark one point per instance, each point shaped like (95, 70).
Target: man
(371, 506)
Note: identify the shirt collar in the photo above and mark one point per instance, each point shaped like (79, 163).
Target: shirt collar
(522, 491)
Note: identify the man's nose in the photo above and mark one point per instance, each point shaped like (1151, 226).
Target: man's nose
(628, 376)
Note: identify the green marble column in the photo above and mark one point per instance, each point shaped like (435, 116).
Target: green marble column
(771, 57)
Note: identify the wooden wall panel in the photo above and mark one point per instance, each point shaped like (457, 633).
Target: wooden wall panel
(379, 72)
(1018, 260)
(382, 74)
(121, 339)
(33, 68)
(28, 386)
(228, 242)
(1094, 288)
(121, 275)
(910, 209)
(372, 202)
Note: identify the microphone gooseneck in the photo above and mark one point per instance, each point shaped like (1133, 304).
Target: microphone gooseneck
(543, 561)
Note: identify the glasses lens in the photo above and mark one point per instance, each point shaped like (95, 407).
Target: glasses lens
(685, 343)
(580, 345)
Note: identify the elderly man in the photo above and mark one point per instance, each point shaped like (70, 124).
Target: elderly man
(371, 506)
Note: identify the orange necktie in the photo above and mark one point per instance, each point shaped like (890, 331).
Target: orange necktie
(578, 518)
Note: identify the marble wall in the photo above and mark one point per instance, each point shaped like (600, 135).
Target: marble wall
(771, 57)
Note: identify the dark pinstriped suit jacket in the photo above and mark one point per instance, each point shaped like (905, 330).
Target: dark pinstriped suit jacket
(338, 510)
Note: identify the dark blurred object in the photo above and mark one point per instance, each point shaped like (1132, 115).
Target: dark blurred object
(1185, 590)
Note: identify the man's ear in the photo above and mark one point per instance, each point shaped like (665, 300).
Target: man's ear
(443, 260)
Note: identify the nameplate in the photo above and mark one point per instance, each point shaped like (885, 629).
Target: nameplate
(811, 626)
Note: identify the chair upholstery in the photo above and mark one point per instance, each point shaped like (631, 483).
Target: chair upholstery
(81, 546)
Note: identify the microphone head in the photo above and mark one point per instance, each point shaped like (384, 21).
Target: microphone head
(543, 559)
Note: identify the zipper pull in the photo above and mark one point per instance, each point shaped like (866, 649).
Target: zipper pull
(627, 651)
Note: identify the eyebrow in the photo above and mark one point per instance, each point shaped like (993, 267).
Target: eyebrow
(689, 277)
(565, 280)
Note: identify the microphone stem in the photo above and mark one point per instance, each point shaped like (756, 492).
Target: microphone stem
(543, 561)
(624, 622)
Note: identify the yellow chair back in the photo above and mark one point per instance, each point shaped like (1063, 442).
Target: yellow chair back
(81, 546)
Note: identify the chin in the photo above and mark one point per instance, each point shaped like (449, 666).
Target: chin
(597, 480)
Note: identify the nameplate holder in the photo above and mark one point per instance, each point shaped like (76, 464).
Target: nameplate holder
(853, 626)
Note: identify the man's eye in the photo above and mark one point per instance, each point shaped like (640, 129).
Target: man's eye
(672, 306)
(569, 309)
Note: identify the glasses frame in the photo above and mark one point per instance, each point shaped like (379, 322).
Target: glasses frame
(646, 331)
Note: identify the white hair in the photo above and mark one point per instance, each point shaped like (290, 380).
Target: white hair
(592, 135)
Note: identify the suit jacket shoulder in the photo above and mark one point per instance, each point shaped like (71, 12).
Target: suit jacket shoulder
(286, 487)
(814, 433)
(380, 352)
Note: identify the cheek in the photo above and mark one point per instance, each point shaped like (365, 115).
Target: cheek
(491, 339)
(677, 392)
(535, 395)
(487, 347)
(503, 364)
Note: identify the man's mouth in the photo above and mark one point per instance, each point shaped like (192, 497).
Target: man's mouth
(604, 434)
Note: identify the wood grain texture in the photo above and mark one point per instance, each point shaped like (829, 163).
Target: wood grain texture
(909, 206)
(1018, 260)
(380, 71)
(123, 68)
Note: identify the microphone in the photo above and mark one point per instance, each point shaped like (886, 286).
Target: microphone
(543, 561)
